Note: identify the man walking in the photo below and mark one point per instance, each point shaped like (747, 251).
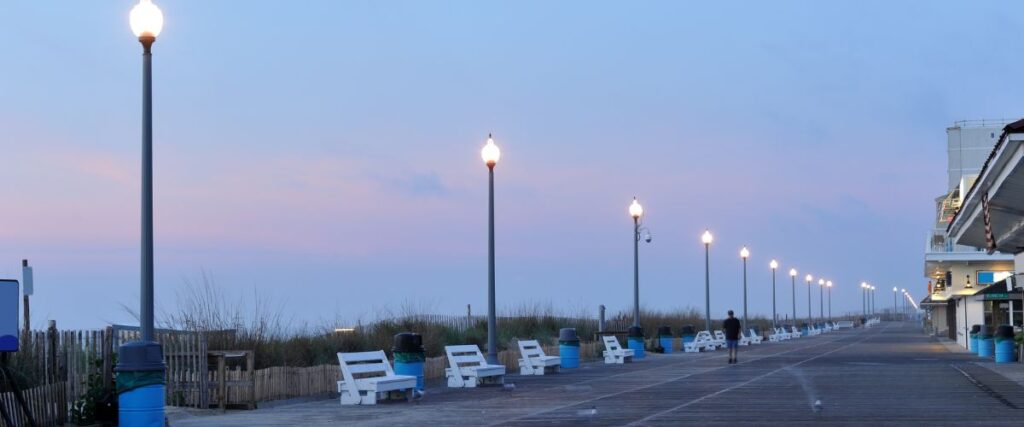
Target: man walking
(732, 336)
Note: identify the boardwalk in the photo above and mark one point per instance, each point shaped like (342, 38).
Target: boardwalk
(888, 375)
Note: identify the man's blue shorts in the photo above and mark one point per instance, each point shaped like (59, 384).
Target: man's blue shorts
(731, 344)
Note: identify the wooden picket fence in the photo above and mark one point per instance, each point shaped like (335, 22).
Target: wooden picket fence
(47, 403)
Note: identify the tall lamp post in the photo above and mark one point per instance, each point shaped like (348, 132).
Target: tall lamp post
(636, 211)
(872, 300)
(141, 362)
(775, 317)
(744, 253)
(809, 278)
(490, 155)
(792, 278)
(863, 299)
(707, 238)
(821, 299)
(828, 284)
(895, 316)
(905, 314)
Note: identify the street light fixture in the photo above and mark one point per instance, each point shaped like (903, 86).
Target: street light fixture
(707, 238)
(775, 317)
(829, 285)
(792, 278)
(821, 298)
(490, 155)
(637, 212)
(144, 358)
(895, 315)
(744, 253)
(905, 314)
(809, 278)
(872, 300)
(863, 299)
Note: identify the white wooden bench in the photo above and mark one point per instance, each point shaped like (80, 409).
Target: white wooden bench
(613, 351)
(719, 339)
(534, 361)
(366, 374)
(795, 333)
(778, 335)
(744, 339)
(844, 324)
(755, 338)
(702, 341)
(468, 368)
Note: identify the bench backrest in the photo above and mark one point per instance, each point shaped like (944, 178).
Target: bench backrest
(365, 364)
(719, 335)
(611, 343)
(530, 349)
(703, 336)
(464, 355)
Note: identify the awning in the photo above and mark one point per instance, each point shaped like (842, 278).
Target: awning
(932, 302)
(998, 292)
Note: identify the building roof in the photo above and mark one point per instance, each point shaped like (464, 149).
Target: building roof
(1002, 180)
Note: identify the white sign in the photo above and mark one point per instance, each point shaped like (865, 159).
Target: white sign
(26, 280)
(9, 295)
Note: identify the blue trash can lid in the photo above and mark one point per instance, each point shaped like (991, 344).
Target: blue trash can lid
(568, 334)
(140, 356)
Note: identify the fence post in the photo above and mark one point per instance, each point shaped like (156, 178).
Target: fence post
(600, 318)
(51, 343)
(108, 365)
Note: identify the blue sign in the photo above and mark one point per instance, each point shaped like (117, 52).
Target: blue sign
(9, 294)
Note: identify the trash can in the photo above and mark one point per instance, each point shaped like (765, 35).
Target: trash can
(1004, 344)
(757, 331)
(805, 330)
(569, 348)
(636, 342)
(986, 346)
(688, 334)
(140, 384)
(409, 356)
(973, 340)
(665, 339)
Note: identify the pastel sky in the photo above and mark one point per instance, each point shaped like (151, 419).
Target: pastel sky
(325, 154)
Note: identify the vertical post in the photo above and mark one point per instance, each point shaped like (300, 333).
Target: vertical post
(636, 272)
(600, 318)
(809, 314)
(26, 282)
(821, 301)
(707, 287)
(146, 309)
(775, 316)
(895, 313)
(793, 279)
(744, 293)
(51, 343)
(830, 304)
(492, 330)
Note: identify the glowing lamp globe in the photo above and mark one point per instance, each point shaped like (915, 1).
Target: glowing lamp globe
(706, 237)
(146, 19)
(809, 277)
(635, 210)
(744, 253)
(773, 264)
(792, 272)
(490, 153)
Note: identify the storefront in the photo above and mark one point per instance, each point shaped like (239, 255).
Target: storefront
(1001, 305)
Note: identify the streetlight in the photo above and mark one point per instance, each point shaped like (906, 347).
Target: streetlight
(775, 318)
(872, 300)
(490, 155)
(808, 278)
(744, 253)
(707, 238)
(792, 278)
(905, 314)
(829, 285)
(636, 211)
(894, 304)
(863, 299)
(821, 298)
(144, 359)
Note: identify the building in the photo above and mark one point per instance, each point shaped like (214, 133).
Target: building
(990, 218)
(956, 272)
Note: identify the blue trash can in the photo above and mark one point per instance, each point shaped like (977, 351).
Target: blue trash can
(636, 342)
(665, 339)
(986, 346)
(805, 330)
(688, 334)
(569, 348)
(409, 356)
(140, 384)
(1005, 344)
(973, 339)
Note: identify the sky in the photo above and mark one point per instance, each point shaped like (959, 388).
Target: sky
(325, 155)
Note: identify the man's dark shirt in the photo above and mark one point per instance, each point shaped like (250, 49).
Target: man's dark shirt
(732, 328)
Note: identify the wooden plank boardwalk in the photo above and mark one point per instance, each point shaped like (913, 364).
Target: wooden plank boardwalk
(887, 375)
